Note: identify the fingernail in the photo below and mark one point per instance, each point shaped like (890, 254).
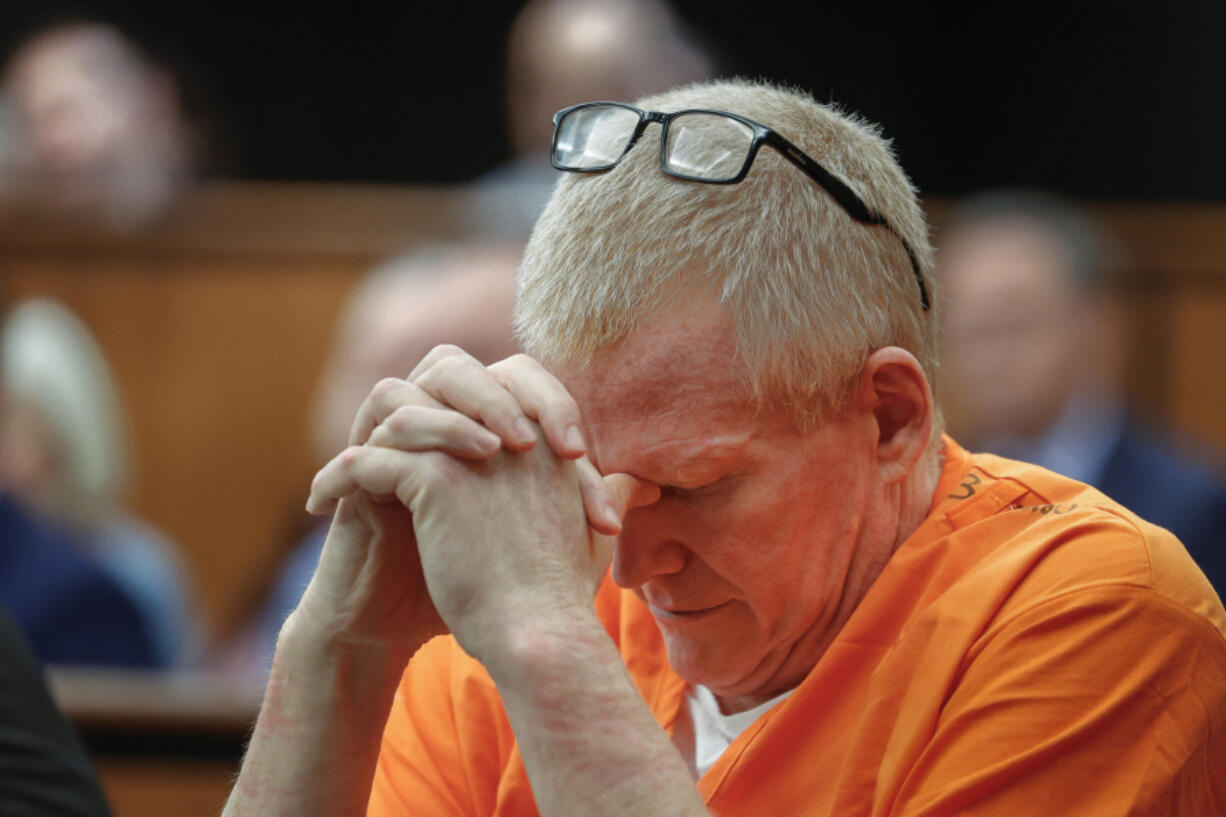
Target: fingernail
(574, 439)
(610, 515)
(487, 442)
(524, 431)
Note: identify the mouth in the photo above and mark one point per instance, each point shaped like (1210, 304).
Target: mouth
(666, 614)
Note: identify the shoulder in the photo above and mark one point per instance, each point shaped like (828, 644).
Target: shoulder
(1058, 537)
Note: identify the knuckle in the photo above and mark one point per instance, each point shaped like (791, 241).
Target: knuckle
(460, 363)
(401, 420)
(561, 405)
(443, 369)
(521, 359)
(499, 370)
(350, 456)
(447, 350)
(500, 408)
(385, 388)
(506, 369)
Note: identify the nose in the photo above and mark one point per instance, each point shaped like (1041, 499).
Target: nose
(647, 546)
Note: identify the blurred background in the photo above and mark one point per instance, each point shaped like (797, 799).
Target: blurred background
(220, 224)
(1116, 99)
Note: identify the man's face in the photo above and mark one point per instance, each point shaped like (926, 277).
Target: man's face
(1016, 335)
(750, 552)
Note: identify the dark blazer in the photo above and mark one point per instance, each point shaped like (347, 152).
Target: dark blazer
(67, 609)
(1156, 479)
(43, 768)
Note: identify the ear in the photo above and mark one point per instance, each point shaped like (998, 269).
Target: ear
(894, 392)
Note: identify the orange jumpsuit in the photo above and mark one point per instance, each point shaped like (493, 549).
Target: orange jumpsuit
(1032, 649)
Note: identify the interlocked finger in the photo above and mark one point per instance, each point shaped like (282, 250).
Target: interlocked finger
(388, 395)
(544, 399)
(443, 350)
(461, 382)
(381, 472)
(421, 428)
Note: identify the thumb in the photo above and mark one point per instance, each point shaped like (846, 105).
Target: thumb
(627, 492)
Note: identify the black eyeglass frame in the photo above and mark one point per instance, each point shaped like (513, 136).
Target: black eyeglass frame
(833, 185)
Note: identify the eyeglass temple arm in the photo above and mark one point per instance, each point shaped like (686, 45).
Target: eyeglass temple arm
(847, 199)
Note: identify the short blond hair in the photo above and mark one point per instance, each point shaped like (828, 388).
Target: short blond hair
(810, 290)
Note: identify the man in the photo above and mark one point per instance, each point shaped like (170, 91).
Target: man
(1034, 352)
(913, 630)
(560, 52)
(100, 129)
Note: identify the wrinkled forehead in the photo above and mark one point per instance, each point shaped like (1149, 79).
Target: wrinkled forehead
(677, 377)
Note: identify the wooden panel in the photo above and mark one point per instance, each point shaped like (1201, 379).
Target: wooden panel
(1198, 364)
(243, 218)
(214, 359)
(215, 324)
(150, 788)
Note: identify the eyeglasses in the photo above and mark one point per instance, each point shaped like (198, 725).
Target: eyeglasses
(713, 147)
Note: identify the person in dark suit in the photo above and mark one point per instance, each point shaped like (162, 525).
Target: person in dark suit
(43, 768)
(1033, 362)
(65, 458)
(65, 606)
(1172, 488)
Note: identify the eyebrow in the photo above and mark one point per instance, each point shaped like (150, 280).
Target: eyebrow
(696, 464)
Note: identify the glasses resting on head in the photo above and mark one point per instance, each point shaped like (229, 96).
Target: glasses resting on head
(714, 147)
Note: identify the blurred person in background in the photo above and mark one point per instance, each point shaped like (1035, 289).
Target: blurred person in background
(44, 771)
(91, 128)
(66, 607)
(1035, 345)
(64, 456)
(460, 294)
(561, 52)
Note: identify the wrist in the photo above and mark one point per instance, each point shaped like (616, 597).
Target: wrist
(544, 646)
(310, 651)
(320, 725)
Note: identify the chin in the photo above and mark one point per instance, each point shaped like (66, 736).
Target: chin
(714, 669)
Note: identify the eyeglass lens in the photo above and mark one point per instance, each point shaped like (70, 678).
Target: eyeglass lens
(594, 137)
(707, 146)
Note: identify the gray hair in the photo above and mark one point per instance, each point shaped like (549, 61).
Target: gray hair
(811, 291)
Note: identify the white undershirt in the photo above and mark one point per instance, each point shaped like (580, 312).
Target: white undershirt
(713, 730)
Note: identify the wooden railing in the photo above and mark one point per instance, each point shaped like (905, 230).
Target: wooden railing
(163, 743)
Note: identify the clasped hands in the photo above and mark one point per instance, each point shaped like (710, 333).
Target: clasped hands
(449, 516)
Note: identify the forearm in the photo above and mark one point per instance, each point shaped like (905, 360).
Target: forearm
(589, 743)
(316, 742)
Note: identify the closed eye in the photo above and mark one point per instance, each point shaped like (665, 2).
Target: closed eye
(693, 491)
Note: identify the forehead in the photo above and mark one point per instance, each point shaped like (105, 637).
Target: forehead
(674, 387)
(1001, 261)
